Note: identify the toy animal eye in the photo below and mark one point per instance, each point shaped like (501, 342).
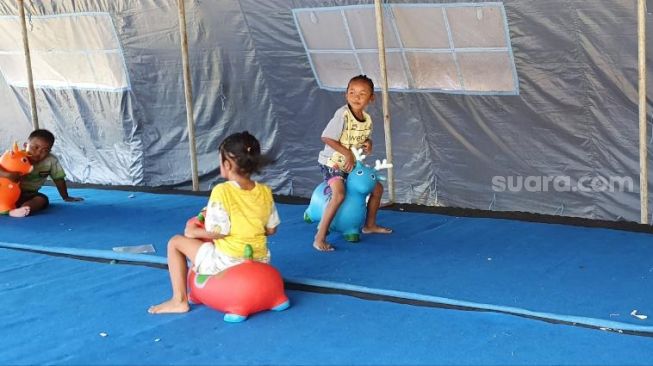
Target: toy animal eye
(24, 160)
(373, 176)
(359, 172)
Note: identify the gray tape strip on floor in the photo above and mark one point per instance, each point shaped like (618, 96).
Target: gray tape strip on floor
(361, 291)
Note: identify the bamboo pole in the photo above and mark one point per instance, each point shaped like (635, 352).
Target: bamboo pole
(188, 93)
(28, 65)
(643, 153)
(384, 95)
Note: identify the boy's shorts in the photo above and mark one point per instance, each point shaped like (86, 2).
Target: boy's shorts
(26, 196)
(331, 173)
(209, 260)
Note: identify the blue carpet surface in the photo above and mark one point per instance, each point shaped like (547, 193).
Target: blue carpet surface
(570, 271)
(67, 311)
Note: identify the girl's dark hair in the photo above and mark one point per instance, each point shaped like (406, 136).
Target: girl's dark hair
(364, 79)
(42, 134)
(245, 150)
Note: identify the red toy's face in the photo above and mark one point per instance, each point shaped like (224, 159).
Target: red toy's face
(16, 161)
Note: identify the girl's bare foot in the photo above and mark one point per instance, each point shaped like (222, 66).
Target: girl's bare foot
(323, 246)
(376, 229)
(170, 306)
(20, 211)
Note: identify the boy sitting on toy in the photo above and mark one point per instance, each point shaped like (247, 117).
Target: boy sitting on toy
(39, 143)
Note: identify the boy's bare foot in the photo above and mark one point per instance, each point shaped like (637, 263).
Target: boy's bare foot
(20, 211)
(170, 306)
(376, 230)
(323, 246)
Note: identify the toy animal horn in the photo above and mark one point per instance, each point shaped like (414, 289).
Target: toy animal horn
(382, 165)
(358, 154)
(15, 148)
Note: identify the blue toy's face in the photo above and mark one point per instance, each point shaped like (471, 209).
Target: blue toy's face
(362, 178)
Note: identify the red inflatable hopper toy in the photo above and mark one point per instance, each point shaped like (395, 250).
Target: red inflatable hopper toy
(14, 161)
(241, 290)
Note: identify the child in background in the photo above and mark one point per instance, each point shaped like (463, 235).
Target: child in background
(39, 143)
(240, 212)
(350, 127)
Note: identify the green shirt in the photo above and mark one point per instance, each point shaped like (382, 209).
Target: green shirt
(49, 166)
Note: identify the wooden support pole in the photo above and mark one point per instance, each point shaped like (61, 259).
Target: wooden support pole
(28, 65)
(643, 151)
(384, 95)
(188, 92)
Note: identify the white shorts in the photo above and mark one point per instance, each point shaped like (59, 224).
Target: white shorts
(209, 260)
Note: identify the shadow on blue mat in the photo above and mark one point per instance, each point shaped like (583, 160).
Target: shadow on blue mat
(599, 274)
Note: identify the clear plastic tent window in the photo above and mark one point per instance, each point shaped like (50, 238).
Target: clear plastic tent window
(461, 48)
(68, 51)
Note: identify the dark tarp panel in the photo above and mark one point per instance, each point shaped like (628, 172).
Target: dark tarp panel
(574, 117)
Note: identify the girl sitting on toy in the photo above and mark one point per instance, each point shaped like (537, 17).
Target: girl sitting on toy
(240, 212)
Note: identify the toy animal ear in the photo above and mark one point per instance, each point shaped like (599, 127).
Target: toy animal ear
(15, 147)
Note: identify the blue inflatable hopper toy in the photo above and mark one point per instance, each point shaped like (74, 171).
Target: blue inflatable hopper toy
(351, 214)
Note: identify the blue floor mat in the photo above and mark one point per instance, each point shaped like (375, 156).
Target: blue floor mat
(585, 272)
(582, 272)
(66, 311)
(105, 219)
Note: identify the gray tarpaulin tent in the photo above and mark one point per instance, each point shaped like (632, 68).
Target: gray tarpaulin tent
(516, 105)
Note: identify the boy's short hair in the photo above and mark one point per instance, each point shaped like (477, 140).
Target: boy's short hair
(363, 78)
(42, 134)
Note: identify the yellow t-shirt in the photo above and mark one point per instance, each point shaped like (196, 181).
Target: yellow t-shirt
(249, 212)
